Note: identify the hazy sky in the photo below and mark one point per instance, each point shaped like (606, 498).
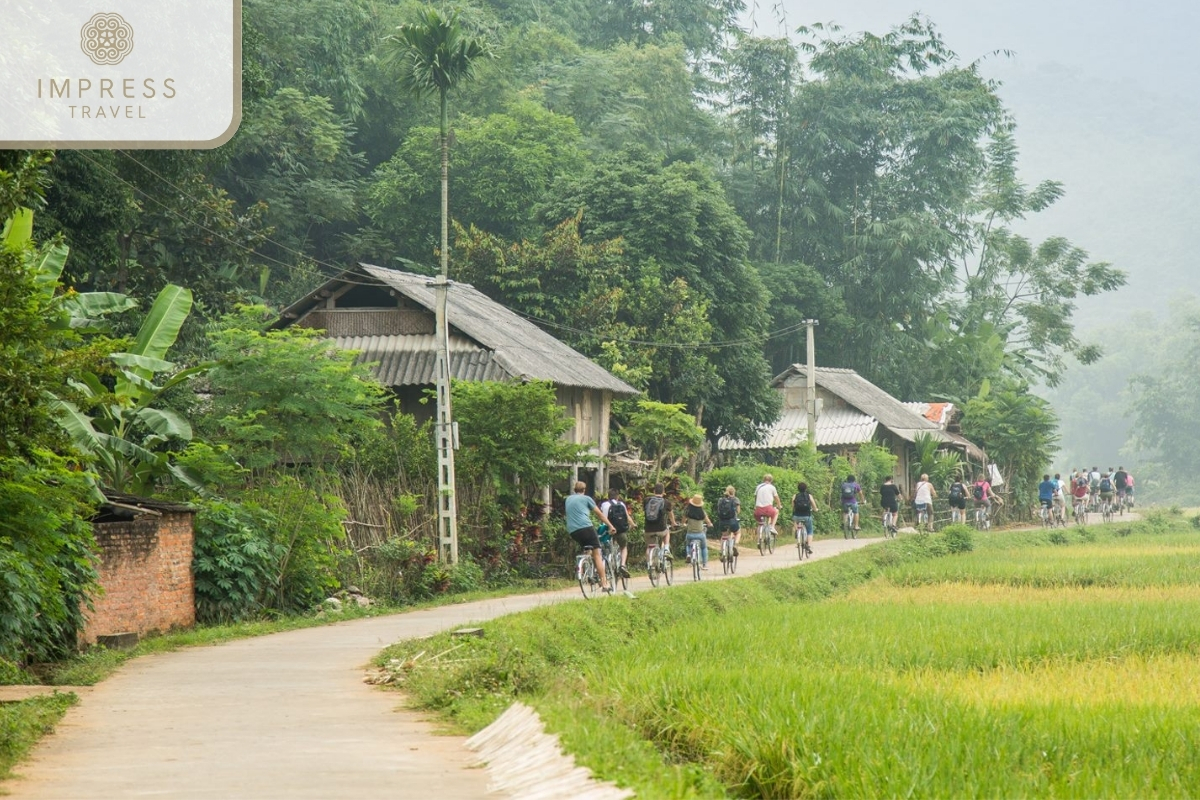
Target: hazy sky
(1106, 95)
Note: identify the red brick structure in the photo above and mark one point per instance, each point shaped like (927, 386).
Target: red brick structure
(145, 565)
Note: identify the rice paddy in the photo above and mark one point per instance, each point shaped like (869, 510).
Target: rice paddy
(1024, 668)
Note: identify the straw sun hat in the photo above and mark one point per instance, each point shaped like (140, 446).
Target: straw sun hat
(697, 499)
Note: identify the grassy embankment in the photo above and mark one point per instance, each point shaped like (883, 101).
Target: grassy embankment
(1042, 663)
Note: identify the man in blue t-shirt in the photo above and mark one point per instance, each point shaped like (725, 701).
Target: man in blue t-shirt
(579, 508)
(1046, 491)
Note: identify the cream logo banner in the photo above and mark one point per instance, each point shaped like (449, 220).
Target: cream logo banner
(121, 73)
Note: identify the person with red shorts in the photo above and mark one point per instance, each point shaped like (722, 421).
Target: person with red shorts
(766, 501)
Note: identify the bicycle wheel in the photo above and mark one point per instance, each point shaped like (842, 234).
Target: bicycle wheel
(589, 582)
(770, 540)
(695, 551)
(762, 535)
(652, 569)
(668, 569)
(727, 556)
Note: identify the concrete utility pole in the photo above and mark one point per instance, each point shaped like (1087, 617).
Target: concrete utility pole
(810, 393)
(445, 429)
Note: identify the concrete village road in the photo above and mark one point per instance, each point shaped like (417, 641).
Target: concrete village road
(287, 715)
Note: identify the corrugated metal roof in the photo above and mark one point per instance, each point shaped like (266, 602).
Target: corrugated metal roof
(835, 426)
(411, 360)
(937, 413)
(517, 346)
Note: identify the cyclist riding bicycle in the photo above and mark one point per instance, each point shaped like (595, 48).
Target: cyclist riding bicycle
(616, 510)
(889, 500)
(660, 518)
(579, 508)
(1120, 480)
(957, 499)
(728, 509)
(923, 499)
(803, 508)
(1080, 490)
(1107, 489)
(1046, 490)
(697, 521)
(1060, 496)
(766, 501)
(981, 492)
(852, 493)
(1094, 483)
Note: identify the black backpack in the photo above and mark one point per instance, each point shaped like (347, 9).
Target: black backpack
(978, 494)
(654, 508)
(726, 508)
(848, 492)
(618, 516)
(957, 491)
(1105, 485)
(802, 505)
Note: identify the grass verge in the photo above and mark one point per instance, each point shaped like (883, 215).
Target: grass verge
(901, 669)
(24, 722)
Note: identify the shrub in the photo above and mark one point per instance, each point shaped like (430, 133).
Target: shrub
(46, 568)
(958, 538)
(232, 562)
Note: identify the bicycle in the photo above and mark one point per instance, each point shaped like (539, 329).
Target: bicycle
(1080, 511)
(925, 518)
(586, 574)
(693, 554)
(1059, 514)
(848, 531)
(728, 554)
(612, 562)
(660, 565)
(1106, 511)
(766, 536)
(803, 549)
(1044, 514)
(890, 518)
(982, 518)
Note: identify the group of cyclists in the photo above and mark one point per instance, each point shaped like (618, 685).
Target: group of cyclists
(1090, 490)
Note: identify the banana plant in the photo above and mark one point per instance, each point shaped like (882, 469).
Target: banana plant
(129, 438)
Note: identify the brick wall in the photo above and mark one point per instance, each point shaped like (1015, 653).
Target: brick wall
(146, 575)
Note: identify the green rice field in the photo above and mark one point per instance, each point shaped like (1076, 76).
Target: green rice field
(1035, 665)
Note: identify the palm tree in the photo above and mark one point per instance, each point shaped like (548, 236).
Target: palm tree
(437, 55)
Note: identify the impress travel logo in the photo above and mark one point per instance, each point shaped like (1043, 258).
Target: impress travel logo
(133, 74)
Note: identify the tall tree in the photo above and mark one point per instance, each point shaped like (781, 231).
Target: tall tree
(683, 242)
(436, 55)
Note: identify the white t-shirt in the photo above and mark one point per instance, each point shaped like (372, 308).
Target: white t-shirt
(924, 495)
(765, 495)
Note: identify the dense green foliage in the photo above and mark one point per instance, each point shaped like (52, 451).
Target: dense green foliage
(1063, 656)
(723, 187)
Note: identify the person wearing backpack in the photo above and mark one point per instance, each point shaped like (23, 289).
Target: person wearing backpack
(981, 493)
(697, 522)
(660, 518)
(803, 508)
(618, 514)
(728, 509)
(1106, 489)
(957, 499)
(852, 493)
